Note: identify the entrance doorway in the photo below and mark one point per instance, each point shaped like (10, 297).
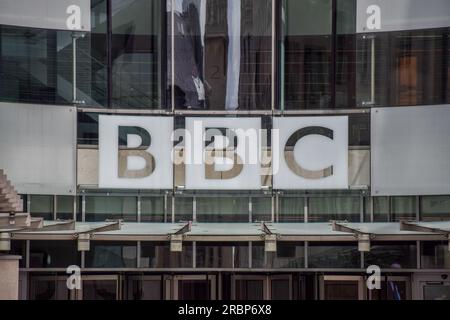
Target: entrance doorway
(191, 287)
(144, 288)
(49, 288)
(342, 288)
(261, 287)
(432, 287)
(99, 287)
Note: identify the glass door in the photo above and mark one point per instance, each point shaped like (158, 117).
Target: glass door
(436, 290)
(191, 287)
(280, 287)
(342, 288)
(431, 287)
(49, 288)
(392, 288)
(101, 287)
(251, 287)
(144, 288)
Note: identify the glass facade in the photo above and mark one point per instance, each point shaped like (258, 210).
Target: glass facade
(222, 54)
(229, 58)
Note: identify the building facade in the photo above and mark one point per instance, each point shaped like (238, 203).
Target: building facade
(350, 102)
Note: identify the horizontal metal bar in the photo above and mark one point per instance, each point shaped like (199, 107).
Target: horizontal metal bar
(227, 238)
(322, 112)
(236, 270)
(125, 111)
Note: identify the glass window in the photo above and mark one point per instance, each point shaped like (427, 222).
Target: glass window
(394, 290)
(380, 209)
(229, 255)
(108, 254)
(403, 208)
(158, 255)
(42, 206)
(152, 209)
(18, 247)
(222, 54)
(136, 53)
(54, 254)
(333, 255)
(411, 68)
(141, 288)
(395, 255)
(435, 255)
(183, 208)
(435, 208)
(345, 54)
(64, 207)
(359, 130)
(222, 209)
(394, 209)
(306, 54)
(36, 65)
(288, 255)
(100, 208)
(48, 287)
(92, 59)
(87, 133)
(261, 209)
(96, 289)
(291, 209)
(323, 209)
(258, 255)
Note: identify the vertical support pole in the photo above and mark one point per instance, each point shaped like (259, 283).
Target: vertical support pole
(74, 68)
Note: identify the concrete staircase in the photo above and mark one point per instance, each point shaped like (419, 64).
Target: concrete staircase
(10, 201)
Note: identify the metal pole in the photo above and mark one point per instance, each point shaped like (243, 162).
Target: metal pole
(74, 68)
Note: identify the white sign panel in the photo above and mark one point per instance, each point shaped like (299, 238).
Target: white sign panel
(38, 147)
(47, 14)
(410, 150)
(397, 15)
(312, 153)
(223, 153)
(144, 160)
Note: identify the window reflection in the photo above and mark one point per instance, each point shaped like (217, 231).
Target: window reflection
(158, 255)
(212, 255)
(411, 67)
(222, 54)
(42, 206)
(306, 54)
(102, 208)
(110, 254)
(435, 255)
(136, 53)
(396, 255)
(333, 255)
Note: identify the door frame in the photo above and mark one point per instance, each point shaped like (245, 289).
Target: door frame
(235, 277)
(406, 279)
(267, 283)
(73, 295)
(159, 278)
(79, 293)
(422, 279)
(359, 279)
(171, 284)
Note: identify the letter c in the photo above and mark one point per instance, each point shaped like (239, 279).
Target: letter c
(289, 153)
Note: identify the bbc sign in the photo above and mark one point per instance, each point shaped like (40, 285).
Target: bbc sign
(221, 153)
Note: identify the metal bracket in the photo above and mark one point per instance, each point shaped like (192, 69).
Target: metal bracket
(362, 237)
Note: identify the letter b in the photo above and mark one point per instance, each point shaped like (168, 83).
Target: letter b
(135, 151)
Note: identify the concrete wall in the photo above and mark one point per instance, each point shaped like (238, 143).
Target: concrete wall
(9, 277)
